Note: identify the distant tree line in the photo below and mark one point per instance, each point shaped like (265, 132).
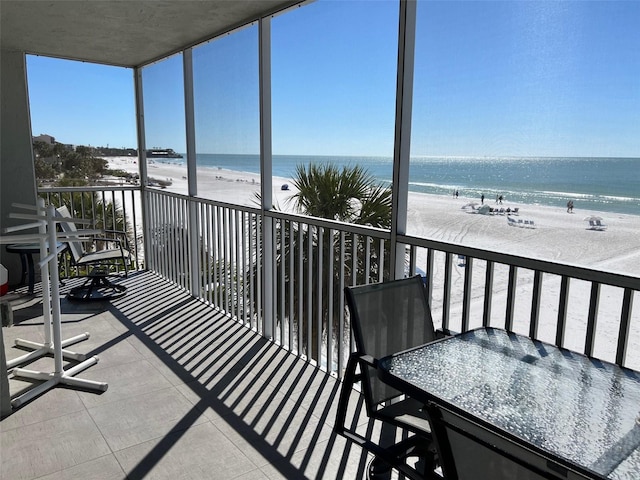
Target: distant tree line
(116, 152)
(62, 165)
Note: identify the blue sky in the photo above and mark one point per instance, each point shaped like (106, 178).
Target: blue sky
(491, 79)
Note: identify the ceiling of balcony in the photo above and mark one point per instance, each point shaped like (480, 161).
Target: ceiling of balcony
(125, 33)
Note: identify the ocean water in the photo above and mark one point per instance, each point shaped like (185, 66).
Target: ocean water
(603, 184)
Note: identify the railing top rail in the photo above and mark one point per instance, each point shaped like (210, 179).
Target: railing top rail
(295, 217)
(564, 269)
(87, 188)
(334, 224)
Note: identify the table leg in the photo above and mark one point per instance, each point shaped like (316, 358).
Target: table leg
(31, 272)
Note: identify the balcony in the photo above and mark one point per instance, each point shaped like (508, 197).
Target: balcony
(227, 353)
(211, 366)
(191, 392)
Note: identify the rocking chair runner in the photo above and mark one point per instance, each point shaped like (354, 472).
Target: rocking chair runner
(98, 286)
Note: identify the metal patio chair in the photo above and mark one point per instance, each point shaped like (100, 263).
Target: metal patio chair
(387, 318)
(101, 260)
(468, 451)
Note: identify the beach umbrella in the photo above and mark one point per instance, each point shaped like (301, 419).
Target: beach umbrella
(592, 218)
(484, 209)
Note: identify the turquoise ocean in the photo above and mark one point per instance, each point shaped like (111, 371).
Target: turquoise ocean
(602, 184)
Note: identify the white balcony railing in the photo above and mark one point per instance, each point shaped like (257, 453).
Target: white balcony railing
(283, 276)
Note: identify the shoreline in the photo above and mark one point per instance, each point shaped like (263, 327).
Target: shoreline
(556, 236)
(553, 195)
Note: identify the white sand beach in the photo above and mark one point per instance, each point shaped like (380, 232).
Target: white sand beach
(556, 235)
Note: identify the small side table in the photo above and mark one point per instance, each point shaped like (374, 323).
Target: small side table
(26, 252)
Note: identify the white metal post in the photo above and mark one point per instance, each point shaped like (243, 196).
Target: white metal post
(266, 164)
(194, 228)
(142, 161)
(402, 141)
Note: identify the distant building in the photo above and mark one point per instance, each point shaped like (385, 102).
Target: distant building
(44, 138)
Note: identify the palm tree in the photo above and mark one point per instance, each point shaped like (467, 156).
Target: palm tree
(348, 194)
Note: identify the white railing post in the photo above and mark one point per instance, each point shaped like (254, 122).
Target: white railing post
(402, 139)
(193, 225)
(268, 247)
(142, 160)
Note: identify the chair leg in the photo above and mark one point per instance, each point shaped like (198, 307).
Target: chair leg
(345, 392)
(379, 469)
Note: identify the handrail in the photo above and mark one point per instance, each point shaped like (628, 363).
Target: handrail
(315, 258)
(557, 268)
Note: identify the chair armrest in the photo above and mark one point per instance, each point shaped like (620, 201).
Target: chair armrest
(444, 333)
(117, 237)
(368, 359)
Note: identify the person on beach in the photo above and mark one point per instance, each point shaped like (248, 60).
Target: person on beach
(500, 199)
(456, 193)
(570, 206)
(482, 199)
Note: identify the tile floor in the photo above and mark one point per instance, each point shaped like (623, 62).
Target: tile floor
(191, 395)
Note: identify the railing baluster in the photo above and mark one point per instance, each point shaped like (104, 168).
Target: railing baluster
(292, 343)
(319, 297)
(535, 304)
(220, 267)
(246, 253)
(258, 277)
(488, 294)
(227, 260)
(466, 293)
(428, 268)
(623, 334)
(381, 261)
(412, 260)
(562, 310)
(446, 296)
(309, 322)
(251, 261)
(330, 286)
(186, 231)
(281, 287)
(166, 233)
(300, 282)
(238, 268)
(340, 333)
(594, 300)
(511, 297)
(367, 259)
(353, 281)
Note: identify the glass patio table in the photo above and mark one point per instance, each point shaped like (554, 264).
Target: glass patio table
(579, 413)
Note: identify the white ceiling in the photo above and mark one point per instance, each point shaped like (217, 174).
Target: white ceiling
(126, 33)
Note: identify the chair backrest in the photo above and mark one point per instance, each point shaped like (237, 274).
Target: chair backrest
(75, 246)
(468, 451)
(387, 318)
